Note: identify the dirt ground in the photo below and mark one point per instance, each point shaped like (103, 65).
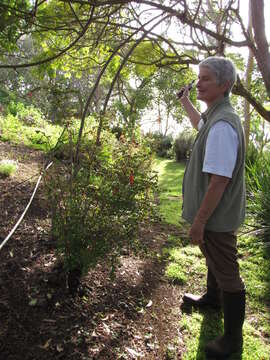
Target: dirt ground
(135, 315)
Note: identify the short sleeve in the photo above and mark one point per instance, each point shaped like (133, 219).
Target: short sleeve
(221, 149)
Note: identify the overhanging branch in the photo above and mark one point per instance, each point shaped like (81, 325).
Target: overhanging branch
(56, 56)
(239, 89)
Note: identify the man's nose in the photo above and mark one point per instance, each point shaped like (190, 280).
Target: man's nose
(198, 82)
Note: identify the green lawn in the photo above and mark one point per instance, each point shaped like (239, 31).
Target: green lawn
(186, 267)
(170, 185)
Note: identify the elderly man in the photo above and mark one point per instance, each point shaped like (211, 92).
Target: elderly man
(214, 198)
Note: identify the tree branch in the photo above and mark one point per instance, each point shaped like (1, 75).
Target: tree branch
(56, 56)
(239, 89)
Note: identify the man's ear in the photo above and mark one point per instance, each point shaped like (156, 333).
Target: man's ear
(226, 86)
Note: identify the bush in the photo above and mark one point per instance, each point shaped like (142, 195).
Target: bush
(31, 116)
(258, 194)
(42, 136)
(118, 131)
(14, 107)
(96, 212)
(183, 145)
(162, 145)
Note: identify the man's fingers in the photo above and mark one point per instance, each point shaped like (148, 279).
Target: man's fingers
(183, 92)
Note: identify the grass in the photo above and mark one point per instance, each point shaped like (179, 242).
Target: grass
(170, 175)
(7, 167)
(186, 267)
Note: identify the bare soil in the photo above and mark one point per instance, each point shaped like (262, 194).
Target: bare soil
(134, 315)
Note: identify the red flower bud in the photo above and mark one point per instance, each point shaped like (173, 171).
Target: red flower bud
(131, 179)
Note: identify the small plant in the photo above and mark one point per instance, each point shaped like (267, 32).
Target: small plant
(7, 167)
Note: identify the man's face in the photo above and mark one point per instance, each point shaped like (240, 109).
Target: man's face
(208, 89)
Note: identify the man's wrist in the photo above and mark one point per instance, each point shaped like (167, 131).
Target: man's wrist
(200, 219)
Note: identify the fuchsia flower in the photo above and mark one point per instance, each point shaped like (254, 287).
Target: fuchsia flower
(131, 179)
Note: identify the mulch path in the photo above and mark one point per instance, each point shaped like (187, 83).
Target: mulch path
(131, 316)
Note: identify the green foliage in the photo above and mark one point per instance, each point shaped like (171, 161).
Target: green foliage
(146, 50)
(259, 134)
(175, 274)
(7, 167)
(28, 115)
(117, 131)
(167, 83)
(130, 107)
(4, 97)
(183, 145)
(258, 185)
(12, 23)
(96, 211)
(161, 144)
(14, 107)
(29, 128)
(8, 101)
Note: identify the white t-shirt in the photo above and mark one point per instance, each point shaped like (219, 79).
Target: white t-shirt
(221, 149)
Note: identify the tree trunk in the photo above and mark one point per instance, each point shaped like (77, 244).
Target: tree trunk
(247, 113)
(261, 52)
(250, 65)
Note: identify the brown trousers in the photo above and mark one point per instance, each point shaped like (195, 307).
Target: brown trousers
(219, 249)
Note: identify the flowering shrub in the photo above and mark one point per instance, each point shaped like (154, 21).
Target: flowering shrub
(97, 212)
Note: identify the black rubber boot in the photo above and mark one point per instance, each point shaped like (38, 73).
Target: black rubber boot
(210, 299)
(232, 340)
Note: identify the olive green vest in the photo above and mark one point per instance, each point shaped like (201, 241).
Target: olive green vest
(230, 212)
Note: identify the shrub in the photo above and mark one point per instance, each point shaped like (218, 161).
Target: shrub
(162, 144)
(117, 131)
(258, 185)
(14, 107)
(43, 136)
(4, 98)
(96, 212)
(30, 115)
(183, 145)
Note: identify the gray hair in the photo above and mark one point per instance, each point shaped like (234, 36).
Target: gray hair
(223, 68)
